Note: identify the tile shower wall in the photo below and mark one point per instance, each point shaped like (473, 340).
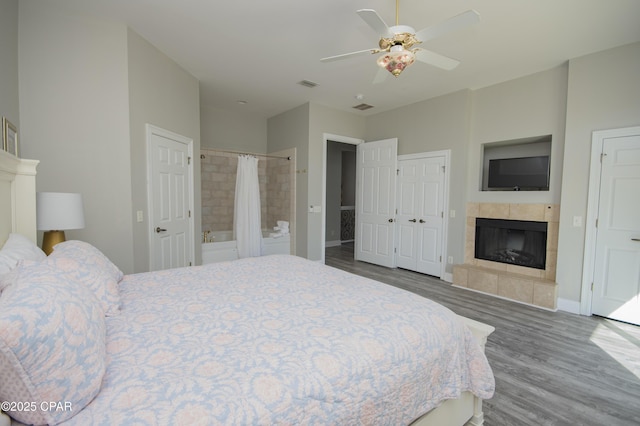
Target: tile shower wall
(218, 180)
(280, 173)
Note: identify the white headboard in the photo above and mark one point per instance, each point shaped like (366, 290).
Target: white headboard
(17, 196)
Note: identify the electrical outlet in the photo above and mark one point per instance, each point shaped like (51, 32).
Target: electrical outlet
(450, 260)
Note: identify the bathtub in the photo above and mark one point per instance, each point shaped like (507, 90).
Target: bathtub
(223, 246)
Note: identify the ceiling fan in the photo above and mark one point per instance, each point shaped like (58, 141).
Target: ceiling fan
(398, 41)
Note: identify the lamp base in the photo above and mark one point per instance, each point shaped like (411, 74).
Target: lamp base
(50, 239)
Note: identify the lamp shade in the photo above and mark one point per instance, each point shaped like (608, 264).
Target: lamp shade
(59, 211)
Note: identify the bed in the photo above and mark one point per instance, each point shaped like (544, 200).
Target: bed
(270, 340)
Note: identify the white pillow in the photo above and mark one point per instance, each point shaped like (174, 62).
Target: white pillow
(18, 247)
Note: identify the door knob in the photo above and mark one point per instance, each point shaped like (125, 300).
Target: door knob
(422, 221)
(412, 220)
(390, 220)
(159, 230)
(635, 239)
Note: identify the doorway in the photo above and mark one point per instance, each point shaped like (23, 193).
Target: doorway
(170, 199)
(611, 274)
(335, 143)
(340, 197)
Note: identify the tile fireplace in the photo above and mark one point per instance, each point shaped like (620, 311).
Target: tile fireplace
(511, 252)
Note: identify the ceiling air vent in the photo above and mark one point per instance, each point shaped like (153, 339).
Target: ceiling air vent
(363, 107)
(307, 83)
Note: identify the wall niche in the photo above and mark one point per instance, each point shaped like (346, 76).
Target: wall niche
(517, 164)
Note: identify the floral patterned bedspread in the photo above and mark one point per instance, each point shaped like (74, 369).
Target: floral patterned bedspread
(279, 340)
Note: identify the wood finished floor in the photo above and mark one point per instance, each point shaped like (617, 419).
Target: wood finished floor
(551, 368)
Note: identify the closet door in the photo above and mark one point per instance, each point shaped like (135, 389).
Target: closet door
(408, 194)
(420, 216)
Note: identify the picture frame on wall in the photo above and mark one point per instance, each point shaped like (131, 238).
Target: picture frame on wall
(9, 137)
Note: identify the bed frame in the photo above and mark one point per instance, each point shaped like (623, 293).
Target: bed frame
(466, 410)
(17, 205)
(17, 196)
(18, 214)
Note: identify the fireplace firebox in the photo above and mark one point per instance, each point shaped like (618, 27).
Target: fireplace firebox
(516, 242)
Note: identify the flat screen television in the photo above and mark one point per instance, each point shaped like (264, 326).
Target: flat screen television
(525, 173)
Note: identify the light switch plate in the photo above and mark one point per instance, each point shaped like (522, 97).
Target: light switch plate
(577, 221)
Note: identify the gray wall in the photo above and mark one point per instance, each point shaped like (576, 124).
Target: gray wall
(530, 106)
(9, 102)
(291, 130)
(165, 95)
(87, 86)
(74, 110)
(233, 130)
(603, 93)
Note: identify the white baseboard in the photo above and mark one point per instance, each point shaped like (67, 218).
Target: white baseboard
(447, 277)
(334, 243)
(567, 305)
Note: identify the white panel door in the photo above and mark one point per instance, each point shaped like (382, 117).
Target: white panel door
(616, 286)
(420, 214)
(407, 205)
(170, 200)
(375, 202)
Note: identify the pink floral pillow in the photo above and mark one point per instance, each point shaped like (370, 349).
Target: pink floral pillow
(103, 285)
(52, 344)
(89, 256)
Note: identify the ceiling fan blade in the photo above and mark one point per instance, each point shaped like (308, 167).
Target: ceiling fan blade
(436, 59)
(348, 55)
(374, 20)
(458, 22)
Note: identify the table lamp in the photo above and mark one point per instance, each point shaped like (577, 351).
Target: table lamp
(56, 212)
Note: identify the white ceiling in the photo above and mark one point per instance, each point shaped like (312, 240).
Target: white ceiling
(258, 50)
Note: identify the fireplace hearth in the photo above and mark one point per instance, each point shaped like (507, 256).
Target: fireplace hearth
(516, 242)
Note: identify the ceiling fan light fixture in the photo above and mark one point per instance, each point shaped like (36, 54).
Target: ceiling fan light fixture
(396, 60)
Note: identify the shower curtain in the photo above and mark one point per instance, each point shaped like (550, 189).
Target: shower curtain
(246, 217)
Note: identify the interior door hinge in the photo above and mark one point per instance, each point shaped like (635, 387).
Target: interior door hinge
(442, 214)
(397, 171)
(591, 286)
(188, 161)
(596, 223)
(602, 155)
(444, 168)
(190, 264)
(189, 213)
(440, 259)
